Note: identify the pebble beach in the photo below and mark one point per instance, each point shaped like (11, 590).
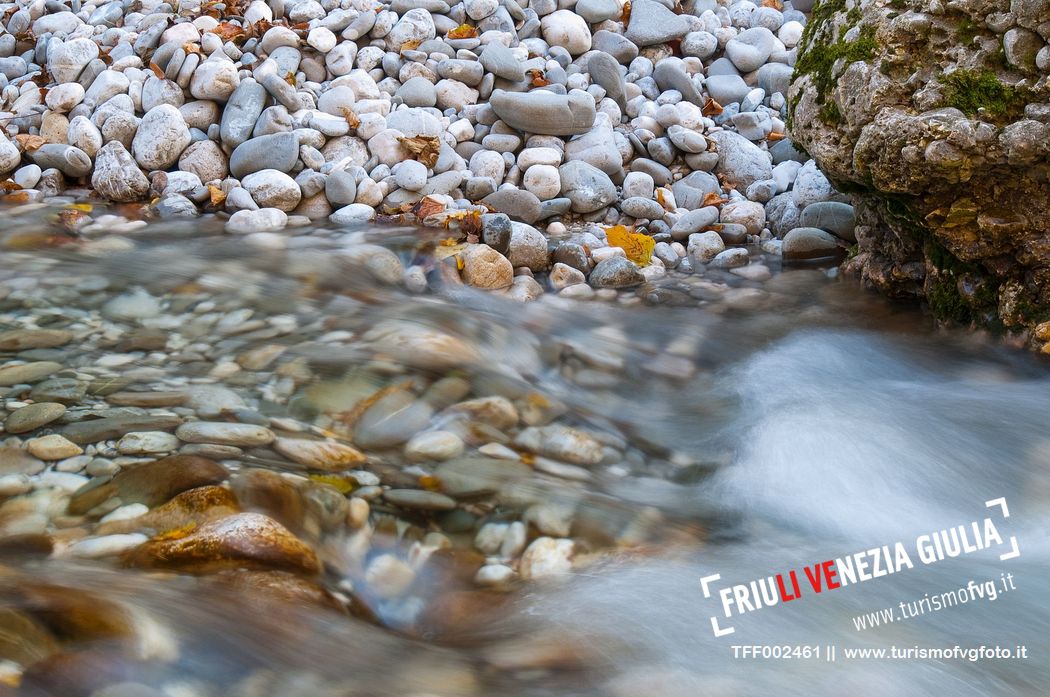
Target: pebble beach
(526, 131)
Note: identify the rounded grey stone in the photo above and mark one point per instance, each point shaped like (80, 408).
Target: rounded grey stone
(275, 151)
(810, 243)
(544, 112)
(615, 272)
(833, 216)
(586, 186)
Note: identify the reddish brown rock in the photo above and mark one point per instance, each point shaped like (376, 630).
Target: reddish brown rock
(150, 484)
(270, 493)
(191, 507)
(247, 540)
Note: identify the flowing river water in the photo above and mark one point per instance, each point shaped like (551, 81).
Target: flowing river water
(764, 426)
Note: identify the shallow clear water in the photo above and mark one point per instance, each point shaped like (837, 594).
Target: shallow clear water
(775, 427)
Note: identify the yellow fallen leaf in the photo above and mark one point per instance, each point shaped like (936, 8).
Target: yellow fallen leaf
(429, 482)
(638, 246)
(463, 31)
(216, 195)
(344, 485)
(443, 252)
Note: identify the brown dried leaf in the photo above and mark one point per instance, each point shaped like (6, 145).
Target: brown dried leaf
(229, 31)
(216, 195)
(776, 136)
(190, 47)
(470, 223)
(711, 199)
(463, 31)
(28, 142)
(626, 16)
(351, 118)
(427, 206)
(156, 70)
(775, 4)
(410, 45)
(711, 108)
(9, 186)
(538, 78)
(290, 78)
(423, 148)
(42, 78)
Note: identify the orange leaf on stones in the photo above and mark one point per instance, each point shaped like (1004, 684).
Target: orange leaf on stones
(228, 31)
(427, 207)
(638, 246)
(711, 108)
(711, 199)
(463, 31)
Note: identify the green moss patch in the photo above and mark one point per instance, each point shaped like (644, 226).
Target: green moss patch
(820, 49)
(970, 91)
(967, 30)
(959, 291)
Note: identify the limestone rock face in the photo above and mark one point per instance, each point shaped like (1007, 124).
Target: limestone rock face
(936, 120)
